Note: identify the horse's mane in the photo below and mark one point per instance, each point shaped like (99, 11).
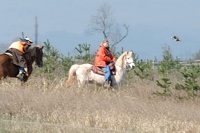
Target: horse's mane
(30, 53)
(119, 61)
(32, 50)
(37, 46)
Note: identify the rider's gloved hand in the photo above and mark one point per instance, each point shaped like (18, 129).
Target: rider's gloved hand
(112, 61)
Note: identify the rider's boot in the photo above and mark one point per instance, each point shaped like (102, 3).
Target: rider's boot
(21, 73)
(107, 84)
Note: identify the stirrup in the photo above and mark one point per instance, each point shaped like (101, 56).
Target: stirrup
(20, 76)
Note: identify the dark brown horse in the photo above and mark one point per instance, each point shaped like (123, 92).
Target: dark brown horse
(34, 54)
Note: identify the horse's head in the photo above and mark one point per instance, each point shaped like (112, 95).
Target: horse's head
(129, 60)
(38, 55)
(125, 60)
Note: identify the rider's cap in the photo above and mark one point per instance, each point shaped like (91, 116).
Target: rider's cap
(23, 40)
(28, 39)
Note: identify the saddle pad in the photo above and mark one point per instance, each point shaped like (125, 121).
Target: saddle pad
(99, 71)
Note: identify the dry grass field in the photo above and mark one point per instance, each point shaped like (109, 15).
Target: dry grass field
(46, 106)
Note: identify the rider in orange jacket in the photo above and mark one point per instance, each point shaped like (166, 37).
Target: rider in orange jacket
(18, 50)
(102, 59)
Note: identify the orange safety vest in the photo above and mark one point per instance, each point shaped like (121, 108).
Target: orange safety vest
(18, 45)
(103, 56)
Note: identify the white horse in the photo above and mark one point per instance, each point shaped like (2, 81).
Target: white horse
(84, 74)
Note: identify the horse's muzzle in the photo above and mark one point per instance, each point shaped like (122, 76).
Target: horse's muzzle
(40, 64)
(132, 67)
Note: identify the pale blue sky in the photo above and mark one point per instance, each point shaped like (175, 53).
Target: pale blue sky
(64, 22)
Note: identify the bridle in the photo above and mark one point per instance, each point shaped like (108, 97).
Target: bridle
(130, 64)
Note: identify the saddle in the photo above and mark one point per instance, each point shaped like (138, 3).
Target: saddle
(99, 71)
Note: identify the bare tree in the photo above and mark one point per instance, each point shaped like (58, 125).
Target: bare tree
(104, 24)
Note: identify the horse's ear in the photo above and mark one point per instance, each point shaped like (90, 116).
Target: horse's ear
(42, 47)
(130, 52)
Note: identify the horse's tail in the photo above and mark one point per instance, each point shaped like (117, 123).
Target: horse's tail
(72, 74)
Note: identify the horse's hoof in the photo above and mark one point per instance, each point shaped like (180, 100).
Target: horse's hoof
(107, 84)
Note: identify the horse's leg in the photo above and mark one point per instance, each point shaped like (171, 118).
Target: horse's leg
(0, 79)
(82, 76)
(81, 80)
(2, 75)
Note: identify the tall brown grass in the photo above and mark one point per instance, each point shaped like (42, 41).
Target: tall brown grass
(46, 106)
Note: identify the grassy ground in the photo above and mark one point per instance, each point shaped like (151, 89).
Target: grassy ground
(46, 106)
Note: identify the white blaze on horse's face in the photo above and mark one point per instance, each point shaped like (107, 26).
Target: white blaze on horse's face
(129, 62)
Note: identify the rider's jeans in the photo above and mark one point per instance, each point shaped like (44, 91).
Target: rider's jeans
(107, 72)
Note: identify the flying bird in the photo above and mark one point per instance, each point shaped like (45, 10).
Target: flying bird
(175, 38)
